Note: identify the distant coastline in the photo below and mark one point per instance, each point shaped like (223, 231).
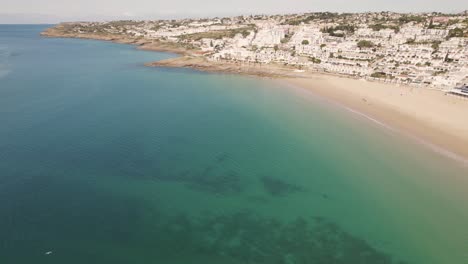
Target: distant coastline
(430, 116)
(56, 32)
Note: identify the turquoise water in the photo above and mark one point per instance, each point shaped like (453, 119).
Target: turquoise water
(103, 160)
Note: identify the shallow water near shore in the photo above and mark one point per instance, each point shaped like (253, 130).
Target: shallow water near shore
(103, 160)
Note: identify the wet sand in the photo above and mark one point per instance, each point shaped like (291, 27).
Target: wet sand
(430, 116)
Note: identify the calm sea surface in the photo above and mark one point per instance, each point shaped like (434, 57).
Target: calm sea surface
(103, 160)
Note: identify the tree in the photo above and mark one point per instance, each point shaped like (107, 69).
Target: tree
(305, 42)
(322, 46)
(286, 38)
(456, 32)
(315, 60)
(365, 44)
(379, 75)
(431, 24)
(245, 33)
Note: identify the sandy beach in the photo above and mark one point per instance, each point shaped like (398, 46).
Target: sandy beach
(430, 116)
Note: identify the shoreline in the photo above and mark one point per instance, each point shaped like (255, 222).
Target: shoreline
(425, 115)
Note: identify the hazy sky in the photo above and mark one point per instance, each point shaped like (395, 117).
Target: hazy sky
(57, 10)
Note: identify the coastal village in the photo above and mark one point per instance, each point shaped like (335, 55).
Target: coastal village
(423, 49)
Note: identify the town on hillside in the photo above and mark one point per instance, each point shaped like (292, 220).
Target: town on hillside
(421, 49)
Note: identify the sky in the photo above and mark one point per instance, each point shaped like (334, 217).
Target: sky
(53, 11)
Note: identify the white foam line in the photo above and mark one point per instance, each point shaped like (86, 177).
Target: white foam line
(364, 116)
(435, 148)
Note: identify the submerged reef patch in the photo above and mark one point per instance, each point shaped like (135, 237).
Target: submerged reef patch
(277, 187)
(247, 238)
(208, 180)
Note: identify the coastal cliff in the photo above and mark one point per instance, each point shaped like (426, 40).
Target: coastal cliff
(62, 31)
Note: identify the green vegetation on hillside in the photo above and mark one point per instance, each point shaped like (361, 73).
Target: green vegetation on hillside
(332, 31)
(219, 34)
(378, 27)
(307, 18)
(411, 18)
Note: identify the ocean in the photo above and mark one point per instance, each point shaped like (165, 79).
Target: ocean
(104, 160)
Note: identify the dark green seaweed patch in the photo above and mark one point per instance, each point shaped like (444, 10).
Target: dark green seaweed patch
(209, 180)
(278, 187)
(247, 238)
(218, 183)
(257, 199)
(222, 157)
(140, 168)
